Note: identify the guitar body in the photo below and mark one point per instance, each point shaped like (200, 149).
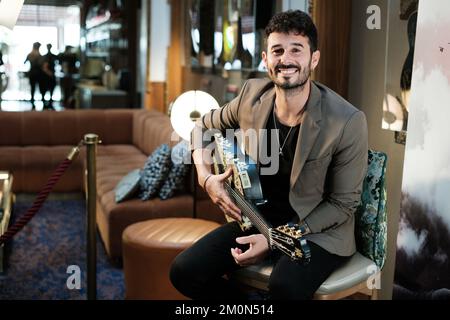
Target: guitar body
(245, 189)
(245, 177)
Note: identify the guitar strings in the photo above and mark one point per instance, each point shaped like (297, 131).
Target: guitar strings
(249, 211)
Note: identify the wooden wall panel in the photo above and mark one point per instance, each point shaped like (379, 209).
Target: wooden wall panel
(333, 21)
(155, 96)
(176, 51)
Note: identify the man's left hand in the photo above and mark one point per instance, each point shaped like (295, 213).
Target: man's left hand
(259, 247)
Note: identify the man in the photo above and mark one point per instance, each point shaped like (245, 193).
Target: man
(49, 78)
(35, 73)
(2, 86)
(322, 152)
(68, 60)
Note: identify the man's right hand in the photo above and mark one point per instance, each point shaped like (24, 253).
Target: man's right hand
(215, 188)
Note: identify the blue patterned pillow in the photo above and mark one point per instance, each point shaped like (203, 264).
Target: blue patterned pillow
(371, 225)
(127, 186)
(180, 167)
(155, 172)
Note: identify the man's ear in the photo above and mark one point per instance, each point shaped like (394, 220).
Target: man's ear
(315, 59)
(264, 58)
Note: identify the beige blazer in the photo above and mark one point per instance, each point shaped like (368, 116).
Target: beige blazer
(330, 160)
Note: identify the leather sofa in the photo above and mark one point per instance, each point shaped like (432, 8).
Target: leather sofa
(32, 144)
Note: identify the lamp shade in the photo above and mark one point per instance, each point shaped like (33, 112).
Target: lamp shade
(189, 107)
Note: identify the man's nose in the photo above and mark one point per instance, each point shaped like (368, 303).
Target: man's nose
(286, 58)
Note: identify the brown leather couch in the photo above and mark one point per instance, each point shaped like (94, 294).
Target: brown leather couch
(33, 143)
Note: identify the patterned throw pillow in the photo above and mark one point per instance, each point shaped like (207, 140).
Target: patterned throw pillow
(371, 225)
(175, 181)
(155, 172)
(127, 186)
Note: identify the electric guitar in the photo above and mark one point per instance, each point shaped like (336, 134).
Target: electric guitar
(244, 187)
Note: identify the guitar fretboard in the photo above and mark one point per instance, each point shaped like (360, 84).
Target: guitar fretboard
(250, 211)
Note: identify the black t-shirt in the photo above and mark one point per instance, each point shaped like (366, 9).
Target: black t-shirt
(276, 187)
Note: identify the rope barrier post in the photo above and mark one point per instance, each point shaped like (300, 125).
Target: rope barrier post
(91, 141)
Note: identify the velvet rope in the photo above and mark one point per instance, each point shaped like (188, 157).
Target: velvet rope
(41, 197)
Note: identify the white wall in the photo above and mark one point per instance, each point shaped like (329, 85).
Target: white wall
(143, 39)
(368, 63)
(159, 40)
(295, 5)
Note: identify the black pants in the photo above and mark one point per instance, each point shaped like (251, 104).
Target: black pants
(198, 271)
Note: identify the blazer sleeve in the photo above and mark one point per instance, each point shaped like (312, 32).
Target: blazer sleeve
(346, 175)
(226, 117)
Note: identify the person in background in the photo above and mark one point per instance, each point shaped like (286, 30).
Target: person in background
(2, 87)
(35, 72)
(48, 77)
(68, 60)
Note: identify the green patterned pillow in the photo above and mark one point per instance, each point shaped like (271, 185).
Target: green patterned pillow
(371, 226)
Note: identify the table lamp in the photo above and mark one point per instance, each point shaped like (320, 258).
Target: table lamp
(186, 110)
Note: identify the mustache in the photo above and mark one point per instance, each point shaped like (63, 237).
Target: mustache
(286, 66)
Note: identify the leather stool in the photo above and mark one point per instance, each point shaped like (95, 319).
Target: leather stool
(149, 248)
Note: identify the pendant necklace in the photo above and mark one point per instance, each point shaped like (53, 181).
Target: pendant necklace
(281, 147)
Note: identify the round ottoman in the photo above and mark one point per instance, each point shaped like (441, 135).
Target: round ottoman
(149, 248)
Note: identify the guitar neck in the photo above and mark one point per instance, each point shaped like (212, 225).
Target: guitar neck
(249, 211)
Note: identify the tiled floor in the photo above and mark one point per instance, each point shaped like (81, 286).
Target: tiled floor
(14, 105)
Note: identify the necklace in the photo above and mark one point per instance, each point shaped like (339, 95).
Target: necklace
(278, 134)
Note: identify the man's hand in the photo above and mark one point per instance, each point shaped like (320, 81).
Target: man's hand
(214, 186)
(259, 247)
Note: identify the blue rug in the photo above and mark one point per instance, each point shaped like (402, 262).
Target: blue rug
(39, 255)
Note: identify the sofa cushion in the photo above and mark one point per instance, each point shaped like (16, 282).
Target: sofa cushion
(67, 127)
(151, 129)
(114, 162)
(155, 172)
(32, 166)
(175, 181)
(128, 185)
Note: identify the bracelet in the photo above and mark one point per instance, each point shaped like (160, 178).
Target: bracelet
(206, 179)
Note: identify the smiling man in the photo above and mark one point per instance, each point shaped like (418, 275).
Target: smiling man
(321, 146)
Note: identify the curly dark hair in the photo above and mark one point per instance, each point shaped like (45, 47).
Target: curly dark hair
(295, 21)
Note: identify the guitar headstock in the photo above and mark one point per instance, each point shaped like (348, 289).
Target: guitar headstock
(289, 239)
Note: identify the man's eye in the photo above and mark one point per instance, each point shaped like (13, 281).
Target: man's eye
(278, 52)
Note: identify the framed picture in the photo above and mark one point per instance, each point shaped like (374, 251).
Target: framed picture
(402, 24)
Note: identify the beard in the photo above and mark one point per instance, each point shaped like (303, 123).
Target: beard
(288, 84)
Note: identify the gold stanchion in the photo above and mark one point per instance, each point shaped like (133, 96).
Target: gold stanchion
(91, 141)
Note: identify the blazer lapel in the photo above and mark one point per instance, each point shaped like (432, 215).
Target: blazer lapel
(309, 130)
(261, 114)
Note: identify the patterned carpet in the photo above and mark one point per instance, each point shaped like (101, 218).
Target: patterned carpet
(38, 257)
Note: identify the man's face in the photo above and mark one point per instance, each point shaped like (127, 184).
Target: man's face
(288, 60)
